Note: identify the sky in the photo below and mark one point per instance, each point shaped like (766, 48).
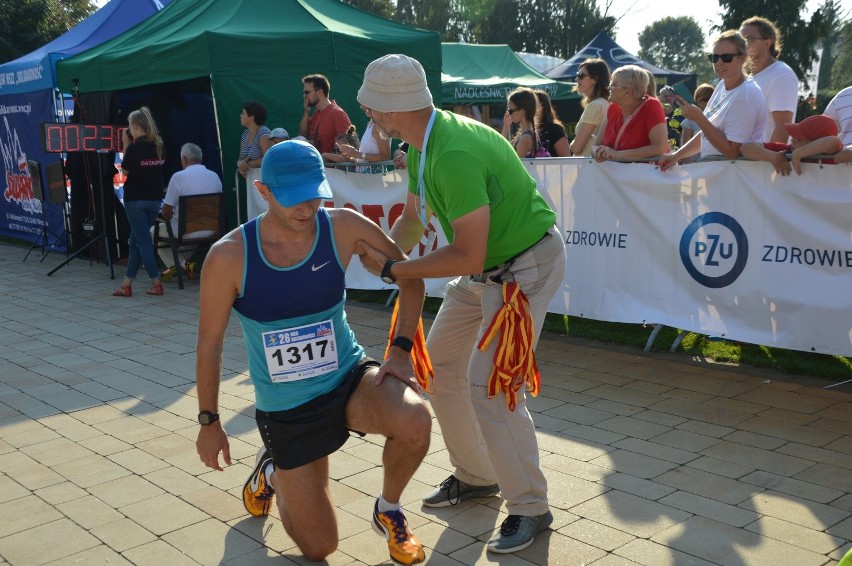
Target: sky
(641, 13)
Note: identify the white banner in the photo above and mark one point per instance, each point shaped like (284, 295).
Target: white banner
(725, 249)
(380, 198)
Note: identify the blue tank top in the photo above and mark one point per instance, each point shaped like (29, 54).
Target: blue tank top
(299, 344)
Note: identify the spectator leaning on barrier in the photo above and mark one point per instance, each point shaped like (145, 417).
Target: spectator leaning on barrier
(674, 115)
(777, 81)
(328, 119)
(840, 109)
(522, 115)
(812, 136)
(636, 122)
(735, 114)
(593, 83)
(551, 132)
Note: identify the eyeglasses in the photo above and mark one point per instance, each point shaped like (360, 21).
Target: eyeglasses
(512, 110)
(581, 76)
(750, 39)
(725, 57)
(612, 86)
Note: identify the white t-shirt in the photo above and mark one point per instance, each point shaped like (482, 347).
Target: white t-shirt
(780, 87)
(368, 142)
(194, 180)
(840, 108)
(740, 113)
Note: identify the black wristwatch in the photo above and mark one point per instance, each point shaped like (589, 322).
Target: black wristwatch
(386, 272)
(206, 418)
(403, 343)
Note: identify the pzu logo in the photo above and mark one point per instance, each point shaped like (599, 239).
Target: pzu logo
(714, 249)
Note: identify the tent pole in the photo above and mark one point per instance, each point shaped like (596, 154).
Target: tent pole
(236, 188)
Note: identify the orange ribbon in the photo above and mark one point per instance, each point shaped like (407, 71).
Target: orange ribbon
(514, 359)
(419, 356)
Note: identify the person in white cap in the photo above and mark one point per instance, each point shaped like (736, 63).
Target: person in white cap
(510, 259)
(283, 273)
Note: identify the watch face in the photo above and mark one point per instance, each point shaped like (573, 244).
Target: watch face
(207, 418)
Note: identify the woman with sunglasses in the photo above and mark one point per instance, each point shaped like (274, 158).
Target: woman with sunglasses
(636, 123)
(256, 139)
(521, 112)
(593, 83)
(735, 114)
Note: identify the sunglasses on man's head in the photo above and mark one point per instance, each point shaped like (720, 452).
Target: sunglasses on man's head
(725, 57)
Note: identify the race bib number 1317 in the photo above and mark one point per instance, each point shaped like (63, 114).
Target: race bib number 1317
(301, 352)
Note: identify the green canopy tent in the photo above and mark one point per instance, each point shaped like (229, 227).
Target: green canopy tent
(253, 50)
(486, 74)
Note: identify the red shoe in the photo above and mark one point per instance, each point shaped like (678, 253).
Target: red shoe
(156, 289)
(123, 291)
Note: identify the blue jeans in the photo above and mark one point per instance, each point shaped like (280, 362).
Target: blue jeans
(141, 215)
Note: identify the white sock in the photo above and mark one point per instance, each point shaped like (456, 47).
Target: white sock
(385, 506)
(268, 469)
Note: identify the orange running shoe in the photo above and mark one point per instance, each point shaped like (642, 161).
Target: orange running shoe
(404, 547)
(257, 494)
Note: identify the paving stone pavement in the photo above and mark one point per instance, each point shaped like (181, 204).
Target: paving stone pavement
(651, 459)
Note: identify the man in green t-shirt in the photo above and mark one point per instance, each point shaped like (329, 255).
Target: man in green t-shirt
(510, 262)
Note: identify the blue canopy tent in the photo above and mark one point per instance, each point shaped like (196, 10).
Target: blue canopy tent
(29, 95)
(604, 47)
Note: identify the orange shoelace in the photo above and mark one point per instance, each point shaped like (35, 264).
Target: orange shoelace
(419, 356)
(514, 359)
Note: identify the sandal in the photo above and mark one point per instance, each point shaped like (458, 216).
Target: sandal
(189, 269)
(156, 289)
(123, 291)
(167, 274)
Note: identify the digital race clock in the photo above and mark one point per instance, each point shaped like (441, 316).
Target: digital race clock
(73, 138)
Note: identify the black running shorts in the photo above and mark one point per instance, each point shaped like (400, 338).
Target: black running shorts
(298, 436)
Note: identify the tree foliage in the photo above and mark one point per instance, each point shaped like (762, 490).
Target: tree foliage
(383, 8)
(835, 46)
(26, 25)
(676, 44)
(799, 37)
(841, 74)
(555, 27)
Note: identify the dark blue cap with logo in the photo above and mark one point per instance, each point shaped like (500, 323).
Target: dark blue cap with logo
(294, 172)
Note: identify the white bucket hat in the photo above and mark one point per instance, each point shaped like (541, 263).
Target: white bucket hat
(395, 83)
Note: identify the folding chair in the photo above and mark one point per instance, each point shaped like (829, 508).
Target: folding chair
(42, 239)
(204, 214)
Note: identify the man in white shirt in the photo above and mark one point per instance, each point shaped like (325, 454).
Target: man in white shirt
(195, 179)
(776, 79)
(840, 108)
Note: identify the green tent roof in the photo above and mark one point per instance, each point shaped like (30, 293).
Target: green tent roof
(236, 38)
(253, 50)
(486, 74)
